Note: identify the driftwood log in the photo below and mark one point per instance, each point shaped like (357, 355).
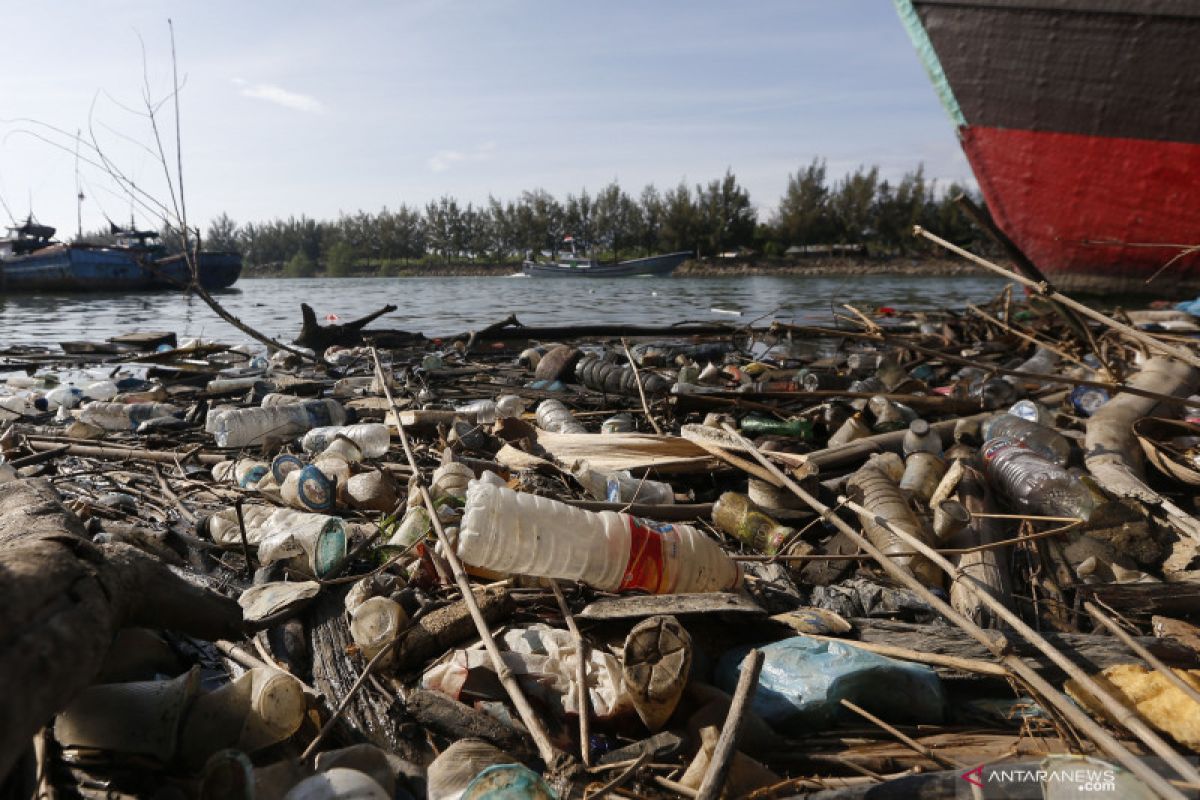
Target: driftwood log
(348, 334)
(62, 601)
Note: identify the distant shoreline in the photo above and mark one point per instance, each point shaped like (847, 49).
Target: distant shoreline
(706, 268)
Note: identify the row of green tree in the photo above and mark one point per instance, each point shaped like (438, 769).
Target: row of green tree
(709, 219)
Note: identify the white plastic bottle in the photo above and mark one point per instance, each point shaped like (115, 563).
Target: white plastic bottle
(64, 397)
(371, 438)
(517, 533)
(222, 527)
(124, 416)
(555, 417)
(100, 390)
(247, 426)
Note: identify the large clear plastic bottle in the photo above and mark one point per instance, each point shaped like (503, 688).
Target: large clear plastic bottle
(371, 438)
(518, 533)
(246, 426)
(555, 417)
(1035, 484)
(1043, 440)
(124, 416)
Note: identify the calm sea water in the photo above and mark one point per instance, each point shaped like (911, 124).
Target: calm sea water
(441, 306)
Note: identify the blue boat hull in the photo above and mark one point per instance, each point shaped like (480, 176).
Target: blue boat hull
(654, 265)
(71, 268)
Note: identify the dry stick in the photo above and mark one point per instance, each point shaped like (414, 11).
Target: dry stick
(1141, 651)
(585, 749)
(920, 657)
(169, 492)
(1105, 740)
(533, 724)
(641, 390)
(723, 753)
(943, 761)
(1045, 290)
(1124, 715)
(237, 507)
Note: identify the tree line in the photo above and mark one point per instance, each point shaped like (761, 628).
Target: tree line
(709, 219)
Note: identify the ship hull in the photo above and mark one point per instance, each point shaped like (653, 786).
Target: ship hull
(66, 268)
(1079, 120)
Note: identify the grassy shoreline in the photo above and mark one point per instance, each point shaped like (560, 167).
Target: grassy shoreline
(703, 268)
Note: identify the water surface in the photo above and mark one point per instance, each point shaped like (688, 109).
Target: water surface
(446, 305)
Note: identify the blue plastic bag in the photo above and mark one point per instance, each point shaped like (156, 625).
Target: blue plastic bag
(803, 681)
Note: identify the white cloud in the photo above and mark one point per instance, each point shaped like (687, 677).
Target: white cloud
(279, 96)
(443, 160)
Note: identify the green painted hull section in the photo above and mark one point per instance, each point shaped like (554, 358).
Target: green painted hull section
(929, 58)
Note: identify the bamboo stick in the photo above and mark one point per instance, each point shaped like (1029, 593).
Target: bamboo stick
(585, 748)
(1045, 290)
(537, 731)
(723, 754)
(1106, 741)
(637, 378)
(948, 763)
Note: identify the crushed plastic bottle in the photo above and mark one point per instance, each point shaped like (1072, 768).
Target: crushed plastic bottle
(124, 416)
(1034, 483)
(555, 417)
(372, 439)
(1042, 439)
(246, 426)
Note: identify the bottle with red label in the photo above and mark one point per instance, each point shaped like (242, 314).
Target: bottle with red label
(517, 533)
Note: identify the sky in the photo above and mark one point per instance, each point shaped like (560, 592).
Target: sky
(291, 108)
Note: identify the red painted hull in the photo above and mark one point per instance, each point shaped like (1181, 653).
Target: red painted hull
(1095, 213)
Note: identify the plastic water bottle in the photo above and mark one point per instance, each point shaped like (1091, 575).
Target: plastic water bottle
(14, 407)
(63, 397)
(372, 438)
(1036, 484)
(482, 412)
(517, 533)
(1033, 411)
(273, 399)
(555, 417)
(1088, 399)
(124, 416)
(245, 426)
(100, 390)
(1043, 440)
(622, 487)
(920, 438)
(222, 527)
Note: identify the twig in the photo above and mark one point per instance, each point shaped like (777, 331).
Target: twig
(585, 748)
(641, 390)
(726, 747)
(948, 763)
(623, 778)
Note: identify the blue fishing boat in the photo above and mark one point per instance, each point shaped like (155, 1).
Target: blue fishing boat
(31, 260)
(573, 266)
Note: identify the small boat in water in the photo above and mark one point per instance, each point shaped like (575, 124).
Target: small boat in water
(573, 266)
(31, 260)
